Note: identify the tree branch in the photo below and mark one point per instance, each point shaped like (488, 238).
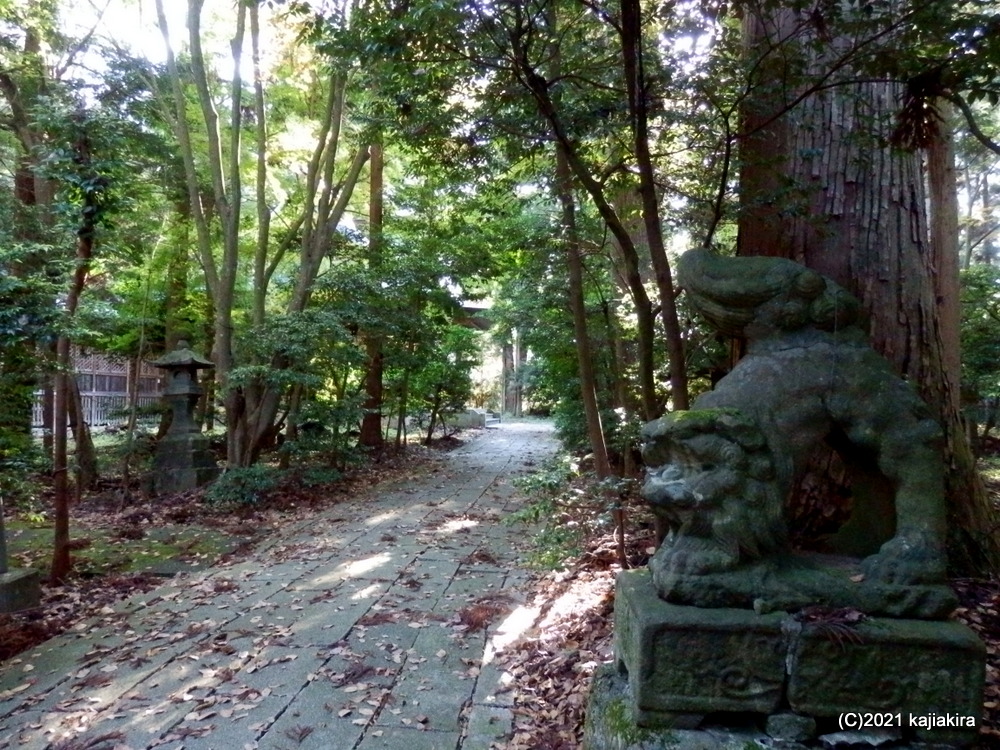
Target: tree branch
(970, 120)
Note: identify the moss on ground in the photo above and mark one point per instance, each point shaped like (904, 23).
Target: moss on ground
(99, 551)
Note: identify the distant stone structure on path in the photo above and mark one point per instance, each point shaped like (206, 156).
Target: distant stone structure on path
(730, 620)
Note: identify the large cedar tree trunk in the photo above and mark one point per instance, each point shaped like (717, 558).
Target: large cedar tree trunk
(819, 185)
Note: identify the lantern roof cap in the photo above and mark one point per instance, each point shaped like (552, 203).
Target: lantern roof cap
(182, 356)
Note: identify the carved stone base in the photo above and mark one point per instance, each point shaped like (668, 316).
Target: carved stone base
(19, 589)
(929, 673)
(684, 663)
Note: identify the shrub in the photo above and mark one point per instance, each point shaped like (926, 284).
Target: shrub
(243, 486)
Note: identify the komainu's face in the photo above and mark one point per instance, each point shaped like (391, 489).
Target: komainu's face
(698, 475)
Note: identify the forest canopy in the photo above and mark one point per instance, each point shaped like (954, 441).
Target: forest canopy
(320, 196)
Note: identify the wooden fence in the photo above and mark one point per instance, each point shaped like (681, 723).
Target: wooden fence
(104, 385)
(101, 409)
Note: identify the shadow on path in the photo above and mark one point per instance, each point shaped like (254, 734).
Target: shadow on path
(362, 627)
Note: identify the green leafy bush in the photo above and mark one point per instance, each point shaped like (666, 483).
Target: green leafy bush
(243, 486)
(20, 477)
(316, 476)
(327, 432)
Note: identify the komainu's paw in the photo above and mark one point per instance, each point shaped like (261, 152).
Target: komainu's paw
(694, 556)
(906, 560)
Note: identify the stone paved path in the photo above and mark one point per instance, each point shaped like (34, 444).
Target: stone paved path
(342, 634)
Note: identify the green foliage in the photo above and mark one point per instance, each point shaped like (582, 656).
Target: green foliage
(135, 453)
(243, 486)
(443, 380)
(555, 544)
(22, 472)
(87, 158)
(980, 342)
(621, 429)
(548, 480)
(559, 535)
(317, 476)
(980, 332)
(27, 319)
(325, 427)
(468, 168)
(566, 506)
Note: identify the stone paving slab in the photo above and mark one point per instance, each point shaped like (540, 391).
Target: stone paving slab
(343, 632)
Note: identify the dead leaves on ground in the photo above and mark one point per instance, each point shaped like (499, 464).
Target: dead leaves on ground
(480, 614)
(980, 610)
(550, 668)
(106, 514)
(63, 606)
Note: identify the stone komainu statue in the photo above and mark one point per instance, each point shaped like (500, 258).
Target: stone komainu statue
(721, 473)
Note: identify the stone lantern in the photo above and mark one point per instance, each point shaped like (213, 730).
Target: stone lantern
(183, 460)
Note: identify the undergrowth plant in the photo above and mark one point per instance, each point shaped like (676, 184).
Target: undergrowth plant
(570, 506)
(21, 481)
(244, 485)
(561, 506)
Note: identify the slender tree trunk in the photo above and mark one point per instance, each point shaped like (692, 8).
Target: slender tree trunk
(541, 91)
(226, 195)
(584, 355)
(435, 410)
(638, 100)
(48, 409)
(89, 217)
(508, 382)
(520, 360)
(371, 423)
(404, 392)
(61, 562)
(325, 204)
(404, 397)
(577, 300)
(86, 455)
(972, 518)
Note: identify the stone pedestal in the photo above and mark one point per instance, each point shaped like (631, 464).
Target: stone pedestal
(19, 589)
(929, 672)
(683, 664)
(183, 462)
(683, 661)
